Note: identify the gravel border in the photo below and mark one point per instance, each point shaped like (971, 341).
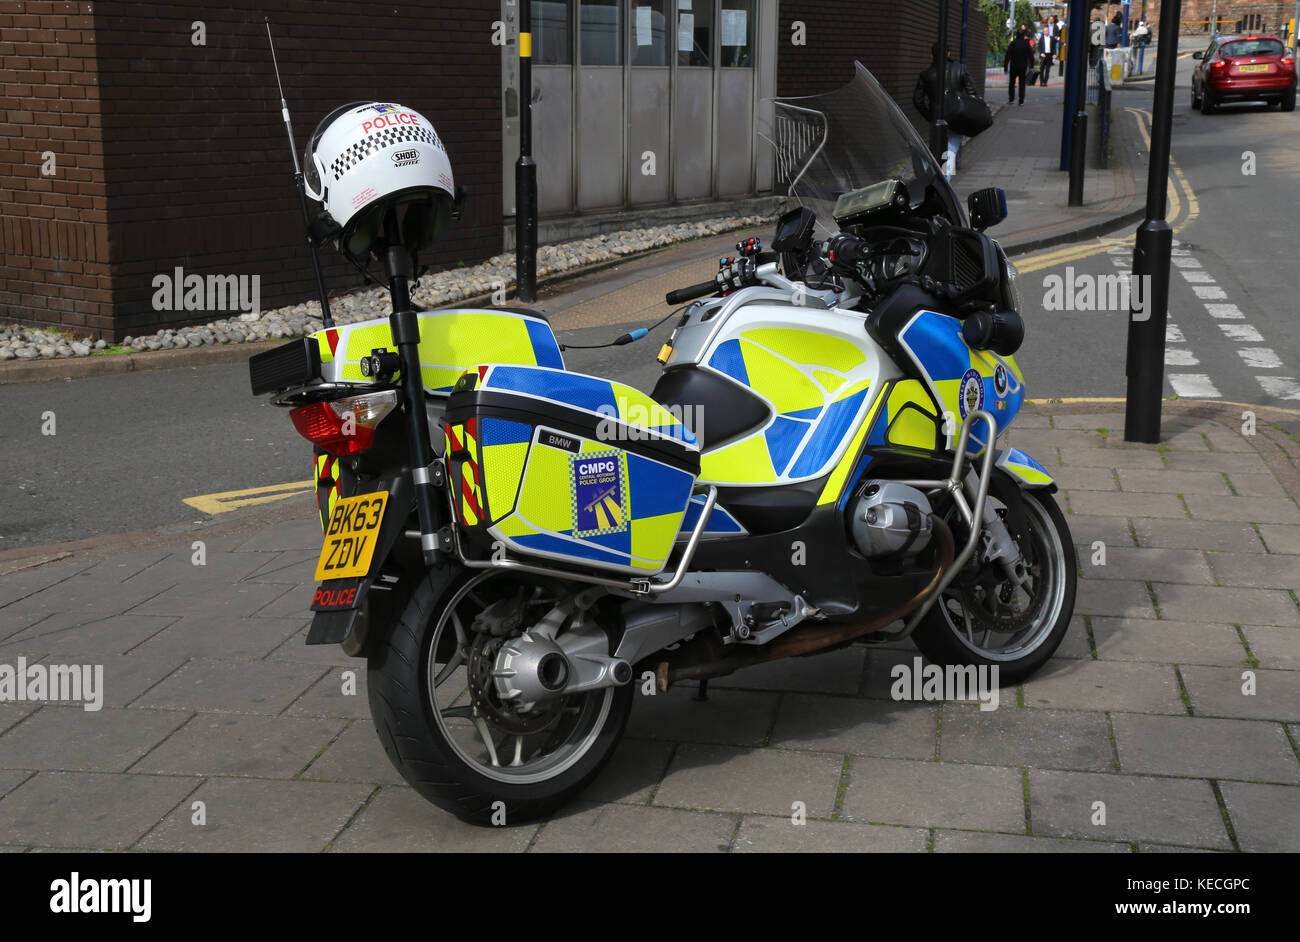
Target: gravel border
(18, 342)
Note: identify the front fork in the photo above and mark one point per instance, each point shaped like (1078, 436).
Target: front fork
(999, 546)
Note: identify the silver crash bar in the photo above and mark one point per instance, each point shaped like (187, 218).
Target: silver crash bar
(642, 587)
(953, 484)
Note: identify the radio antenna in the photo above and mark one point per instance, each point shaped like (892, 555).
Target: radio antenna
(326, 317)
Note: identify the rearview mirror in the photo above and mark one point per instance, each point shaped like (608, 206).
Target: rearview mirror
(1199, 54)
(988, 207)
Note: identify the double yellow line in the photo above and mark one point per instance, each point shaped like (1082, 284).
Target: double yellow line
(1184, 208)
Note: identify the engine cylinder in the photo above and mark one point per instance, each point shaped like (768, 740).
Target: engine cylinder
(891, 518)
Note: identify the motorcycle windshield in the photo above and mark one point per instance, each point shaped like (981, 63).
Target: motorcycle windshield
(831, 144)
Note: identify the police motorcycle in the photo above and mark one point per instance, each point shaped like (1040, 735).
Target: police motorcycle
(520, 551)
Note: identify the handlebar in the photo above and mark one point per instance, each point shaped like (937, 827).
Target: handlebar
(736, 273)
(682, 295)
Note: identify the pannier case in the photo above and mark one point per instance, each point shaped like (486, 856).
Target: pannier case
(568, 467)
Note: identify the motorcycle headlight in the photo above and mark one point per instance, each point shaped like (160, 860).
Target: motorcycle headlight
(1011, 284)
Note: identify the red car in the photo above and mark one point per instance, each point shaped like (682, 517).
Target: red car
(1243, 68)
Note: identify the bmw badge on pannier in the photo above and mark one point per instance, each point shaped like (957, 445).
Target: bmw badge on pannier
(568, 467)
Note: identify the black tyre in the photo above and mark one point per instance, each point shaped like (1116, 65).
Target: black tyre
(986, 619)
(1196, 102)
(1288, 101)
(1208, 104)
(483, 762)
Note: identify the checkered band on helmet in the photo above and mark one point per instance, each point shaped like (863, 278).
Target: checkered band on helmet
(380, 140)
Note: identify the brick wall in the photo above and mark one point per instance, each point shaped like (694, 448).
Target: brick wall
(53, 199)
(891, 39)
(196, 157)
(170, 152)
(193, 169)
(1274, 13)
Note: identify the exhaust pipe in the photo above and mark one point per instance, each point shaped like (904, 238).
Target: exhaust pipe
(811, 640)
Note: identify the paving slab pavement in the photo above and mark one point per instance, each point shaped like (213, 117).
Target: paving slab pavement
(1167, 721)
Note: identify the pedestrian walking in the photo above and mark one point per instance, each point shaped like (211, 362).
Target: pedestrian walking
(1064, 44)
(959, 89)
(1050, 44)
(1114, 32)
(1016, 63)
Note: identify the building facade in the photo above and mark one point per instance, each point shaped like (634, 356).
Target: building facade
(1195, 16)
(139, 139)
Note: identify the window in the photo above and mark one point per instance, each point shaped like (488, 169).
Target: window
(695, 32)
(1254, 47)
(649, 32)
(552, 32)
(737, 33)
(599, 31)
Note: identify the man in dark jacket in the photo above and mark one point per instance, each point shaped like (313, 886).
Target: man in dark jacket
(1017, 62)
(956, 79)
(1050, 47)
(1114, 32)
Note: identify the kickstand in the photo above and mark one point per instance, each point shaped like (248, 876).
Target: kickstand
(702, 691)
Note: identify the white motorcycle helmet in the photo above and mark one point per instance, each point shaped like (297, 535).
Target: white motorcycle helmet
(367, 157)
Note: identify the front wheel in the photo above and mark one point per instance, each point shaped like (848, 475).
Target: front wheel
(987, 618)
(444, 725)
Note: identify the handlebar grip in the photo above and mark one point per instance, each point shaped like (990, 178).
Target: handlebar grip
(682, 295)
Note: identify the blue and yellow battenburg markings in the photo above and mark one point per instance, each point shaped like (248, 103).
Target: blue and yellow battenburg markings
(593, 502)
(720, 522)
(963, 379)
(450, 342)
(603, 398)
(807, 376)
(1016, 462)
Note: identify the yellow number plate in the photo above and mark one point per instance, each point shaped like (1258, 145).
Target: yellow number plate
(351, 537)
(1252, 68)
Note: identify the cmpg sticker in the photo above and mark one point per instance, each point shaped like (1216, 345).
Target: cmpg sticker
(599, 490)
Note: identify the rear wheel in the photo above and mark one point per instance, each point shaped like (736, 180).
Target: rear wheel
(1208, 104)
(1288, 101)
(987, 618)
(448, 732)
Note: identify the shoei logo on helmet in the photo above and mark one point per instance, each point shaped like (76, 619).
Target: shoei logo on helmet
(390, 121)
(404, 158)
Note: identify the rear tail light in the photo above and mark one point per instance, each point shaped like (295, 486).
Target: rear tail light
(344, 426)
(1287, 61)
(1219, 64)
